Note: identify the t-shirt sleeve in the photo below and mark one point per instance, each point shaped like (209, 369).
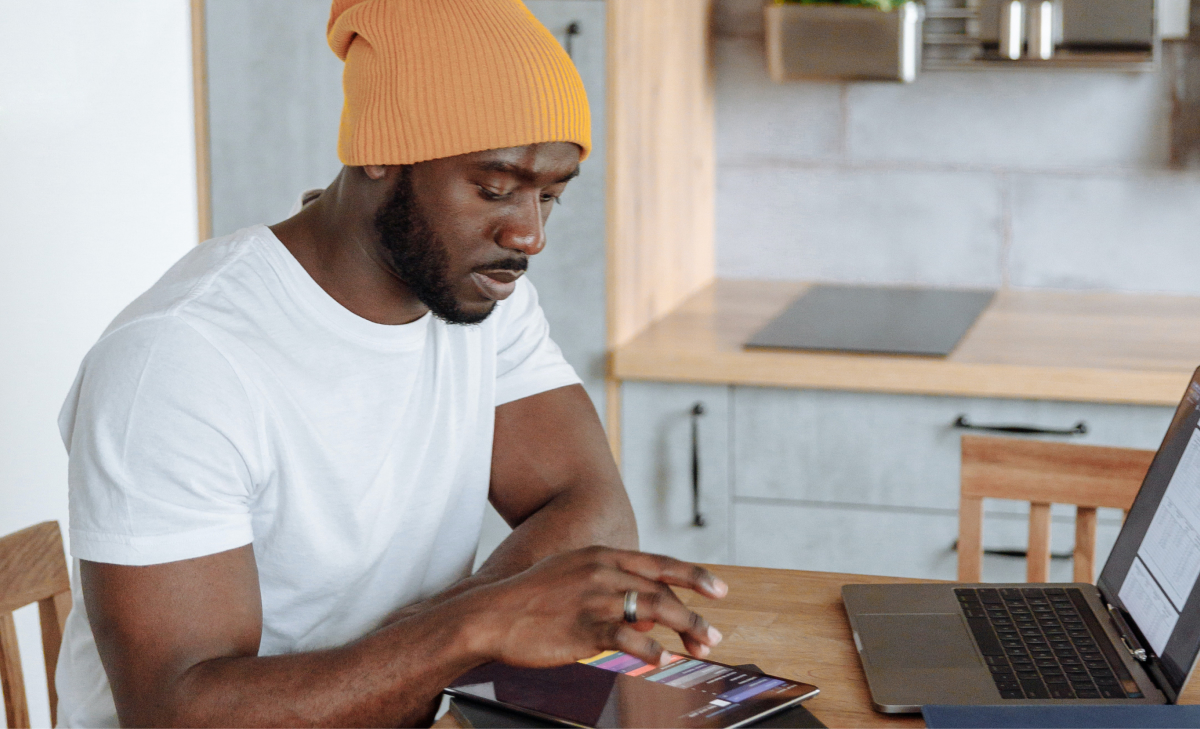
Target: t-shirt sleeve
(161, 437)
(529, 362)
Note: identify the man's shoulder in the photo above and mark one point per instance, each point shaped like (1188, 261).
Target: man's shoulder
(195, 276)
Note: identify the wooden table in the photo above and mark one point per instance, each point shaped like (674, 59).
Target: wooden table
(792, 624)
(1039, 345)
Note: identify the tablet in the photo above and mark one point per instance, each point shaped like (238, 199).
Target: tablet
(614, 689)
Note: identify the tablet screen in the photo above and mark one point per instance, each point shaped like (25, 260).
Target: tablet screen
(614, 689)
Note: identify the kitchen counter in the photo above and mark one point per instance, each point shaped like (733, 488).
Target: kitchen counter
(1041, 345)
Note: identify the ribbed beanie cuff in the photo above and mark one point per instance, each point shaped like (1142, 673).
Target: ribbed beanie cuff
(426, 79)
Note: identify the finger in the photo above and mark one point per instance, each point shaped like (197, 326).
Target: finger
(658, 604)
(672, 572)
(643, 626)
(697, 649)
(641, 646)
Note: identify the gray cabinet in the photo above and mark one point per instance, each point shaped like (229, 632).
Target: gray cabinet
(845, 481)
(656, 430)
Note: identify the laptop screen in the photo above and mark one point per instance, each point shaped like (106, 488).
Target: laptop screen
(1152, 572)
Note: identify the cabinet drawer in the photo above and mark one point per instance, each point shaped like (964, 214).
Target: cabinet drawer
(894, 542)
(893, 450)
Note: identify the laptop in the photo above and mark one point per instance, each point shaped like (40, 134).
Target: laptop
(1132, 638)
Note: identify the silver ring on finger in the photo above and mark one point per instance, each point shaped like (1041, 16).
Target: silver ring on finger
(631, 606)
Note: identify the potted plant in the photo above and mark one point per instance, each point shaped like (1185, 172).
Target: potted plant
(843, 39)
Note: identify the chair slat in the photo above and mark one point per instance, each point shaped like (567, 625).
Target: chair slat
(1054, 473)
(12, 680)
(32, 566)
(970, 539)
(1085, 544)
(1037, 567)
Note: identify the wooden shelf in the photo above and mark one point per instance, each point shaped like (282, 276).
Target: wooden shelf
(1042, 345)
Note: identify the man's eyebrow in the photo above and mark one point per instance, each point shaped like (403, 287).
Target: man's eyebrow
(522, 173)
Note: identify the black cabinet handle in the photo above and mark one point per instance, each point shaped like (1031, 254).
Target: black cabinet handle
(572, 30)
(697, 517)
(1079, 428)
(1015, 552)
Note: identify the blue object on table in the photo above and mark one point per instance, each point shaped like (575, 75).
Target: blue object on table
(1061, 717)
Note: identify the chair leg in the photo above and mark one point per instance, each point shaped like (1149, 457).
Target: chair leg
(970, 539)
(1037, 568)
(1085, 544)
(53, 614)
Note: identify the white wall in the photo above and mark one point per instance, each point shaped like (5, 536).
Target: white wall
(97, 199)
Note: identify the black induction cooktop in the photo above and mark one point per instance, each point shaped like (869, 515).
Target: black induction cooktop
(875, 319)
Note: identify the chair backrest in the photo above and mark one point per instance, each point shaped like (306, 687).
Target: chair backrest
(33, 568)
(1043, 473)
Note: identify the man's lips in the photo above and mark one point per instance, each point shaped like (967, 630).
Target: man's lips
(496, 284)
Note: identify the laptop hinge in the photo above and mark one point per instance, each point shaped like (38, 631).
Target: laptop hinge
(1132, 644)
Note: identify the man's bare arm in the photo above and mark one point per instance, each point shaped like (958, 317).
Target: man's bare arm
(554, 481)
(179, 641)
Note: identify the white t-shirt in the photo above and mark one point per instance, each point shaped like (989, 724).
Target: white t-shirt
(236, 403)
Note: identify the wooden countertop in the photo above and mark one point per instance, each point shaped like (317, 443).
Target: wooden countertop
(1042, 345)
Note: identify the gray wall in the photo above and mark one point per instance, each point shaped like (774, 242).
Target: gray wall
(274, 102)
(1023, 179)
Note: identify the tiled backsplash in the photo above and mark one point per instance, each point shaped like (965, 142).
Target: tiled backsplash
(1025, 179)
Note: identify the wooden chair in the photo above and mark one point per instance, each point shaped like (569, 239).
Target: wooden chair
(33, 568)
(1043, 473)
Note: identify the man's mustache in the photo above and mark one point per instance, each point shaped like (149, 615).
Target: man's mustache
(516, 264)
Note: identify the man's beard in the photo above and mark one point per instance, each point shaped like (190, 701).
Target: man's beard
(419, 258)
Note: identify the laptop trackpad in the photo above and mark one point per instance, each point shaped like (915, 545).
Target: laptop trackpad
(917, 641)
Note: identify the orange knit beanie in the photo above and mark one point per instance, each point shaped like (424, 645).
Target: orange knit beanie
(427, 79)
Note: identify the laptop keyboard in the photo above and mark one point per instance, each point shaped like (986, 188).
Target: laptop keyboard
(1044, 643)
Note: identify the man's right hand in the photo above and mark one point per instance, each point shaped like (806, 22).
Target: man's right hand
(571, 606)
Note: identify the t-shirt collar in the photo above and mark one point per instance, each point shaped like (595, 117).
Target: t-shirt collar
(309, 293)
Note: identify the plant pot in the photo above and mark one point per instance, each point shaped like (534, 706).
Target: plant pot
(843, 42)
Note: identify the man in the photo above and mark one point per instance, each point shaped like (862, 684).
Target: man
(280, 454)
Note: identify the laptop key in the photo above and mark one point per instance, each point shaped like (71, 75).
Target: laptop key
(1112, 692)
(1035, 689)
(1018, 694)
(1087, 694)
(1061, 692)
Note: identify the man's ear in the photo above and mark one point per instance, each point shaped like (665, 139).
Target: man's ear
(375, 172)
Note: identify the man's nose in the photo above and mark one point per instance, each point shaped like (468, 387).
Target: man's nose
(525, 231)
